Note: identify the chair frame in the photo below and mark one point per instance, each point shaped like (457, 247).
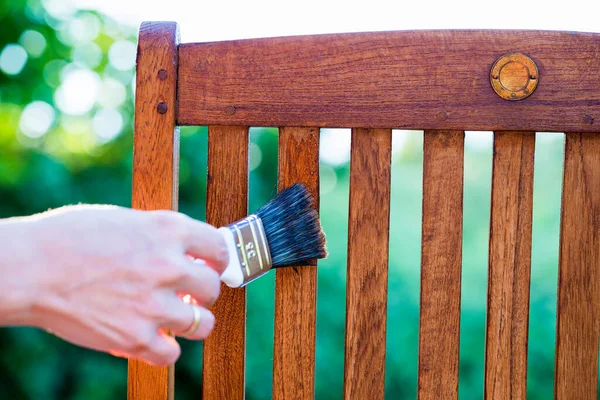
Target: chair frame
(436, 81)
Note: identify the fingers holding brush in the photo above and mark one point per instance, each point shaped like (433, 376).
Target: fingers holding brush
(205, 242)
(188, 319)
(201, 282)
(189, 316)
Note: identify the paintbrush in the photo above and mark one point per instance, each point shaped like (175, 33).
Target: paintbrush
(286, 231)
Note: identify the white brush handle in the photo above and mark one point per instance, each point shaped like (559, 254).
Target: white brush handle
(232, 276)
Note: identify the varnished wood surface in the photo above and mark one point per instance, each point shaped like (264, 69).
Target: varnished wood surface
(155, 165)
(296, 287)
(367, 276)
(509, 266)
(226, 201)
(432, 80)
(441, 260)
(413, 80)
(578, 321)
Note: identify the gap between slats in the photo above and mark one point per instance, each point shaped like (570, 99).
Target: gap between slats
(406, 203)
(260, 303)
(548, 171)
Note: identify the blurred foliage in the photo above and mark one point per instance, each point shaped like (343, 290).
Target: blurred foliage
(68, 151)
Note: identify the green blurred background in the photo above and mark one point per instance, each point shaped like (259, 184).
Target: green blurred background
(66, 103)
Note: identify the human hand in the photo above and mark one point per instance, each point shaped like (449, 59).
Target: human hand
(112, 279)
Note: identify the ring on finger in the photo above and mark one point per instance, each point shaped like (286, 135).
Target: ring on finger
(196, 322)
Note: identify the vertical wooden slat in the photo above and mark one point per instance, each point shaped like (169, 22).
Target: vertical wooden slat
(578, 321)
(509, 266)
(155, 164)
(441, 264)
(367, 276)
(296, 288)
(226, 202)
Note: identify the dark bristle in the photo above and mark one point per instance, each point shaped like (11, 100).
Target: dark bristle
(293, 227)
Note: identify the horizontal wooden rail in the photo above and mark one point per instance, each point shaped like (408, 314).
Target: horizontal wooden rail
(411, 80)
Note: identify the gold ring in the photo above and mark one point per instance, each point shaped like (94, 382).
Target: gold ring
(195, 324)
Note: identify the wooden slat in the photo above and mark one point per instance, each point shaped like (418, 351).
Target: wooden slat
(509, 266)
(578, 321)
(226, 202)
(410, 80)
(367, 277)
(296, 288)
(155, 164)
(441, 264)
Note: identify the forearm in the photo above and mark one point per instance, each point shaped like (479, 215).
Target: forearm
(19, 271)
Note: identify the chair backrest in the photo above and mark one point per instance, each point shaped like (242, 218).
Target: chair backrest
(443, 82)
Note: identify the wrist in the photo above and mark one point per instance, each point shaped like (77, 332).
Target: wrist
(20, 287)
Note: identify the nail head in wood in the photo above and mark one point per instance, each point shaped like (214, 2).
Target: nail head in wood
(163, 74)
(162, 107)
(514, 76)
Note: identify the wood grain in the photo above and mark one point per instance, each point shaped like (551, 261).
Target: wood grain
(367, 276)
(296, 287)
(411, 80)
(155, 165)
(226, 201)
(578, 321)
(509, 266)
(441, 258)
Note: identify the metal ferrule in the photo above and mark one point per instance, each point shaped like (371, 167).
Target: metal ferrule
(252, 247)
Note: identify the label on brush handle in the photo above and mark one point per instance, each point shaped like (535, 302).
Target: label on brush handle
(252, 247)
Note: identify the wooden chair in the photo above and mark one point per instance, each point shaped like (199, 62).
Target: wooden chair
(443, 82)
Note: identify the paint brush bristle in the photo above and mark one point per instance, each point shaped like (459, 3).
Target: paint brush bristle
(292, 227)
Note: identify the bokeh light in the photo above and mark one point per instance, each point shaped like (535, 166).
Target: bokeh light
(36, 119)
(77, 93)
(255, 156)
(328, 179)
(13, 59)
(335, 146)
(122, 55)
(33, 42)
(88, 54)
(107, 124)
(399, 140)
(112, 93)
(84, 28)
(75, 124)
(59, 9)
(52, 72)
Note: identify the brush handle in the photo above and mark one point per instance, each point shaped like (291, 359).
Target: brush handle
(249, 253)
(233, 275)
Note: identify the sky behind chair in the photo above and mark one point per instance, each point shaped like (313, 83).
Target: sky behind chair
(238, 19)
